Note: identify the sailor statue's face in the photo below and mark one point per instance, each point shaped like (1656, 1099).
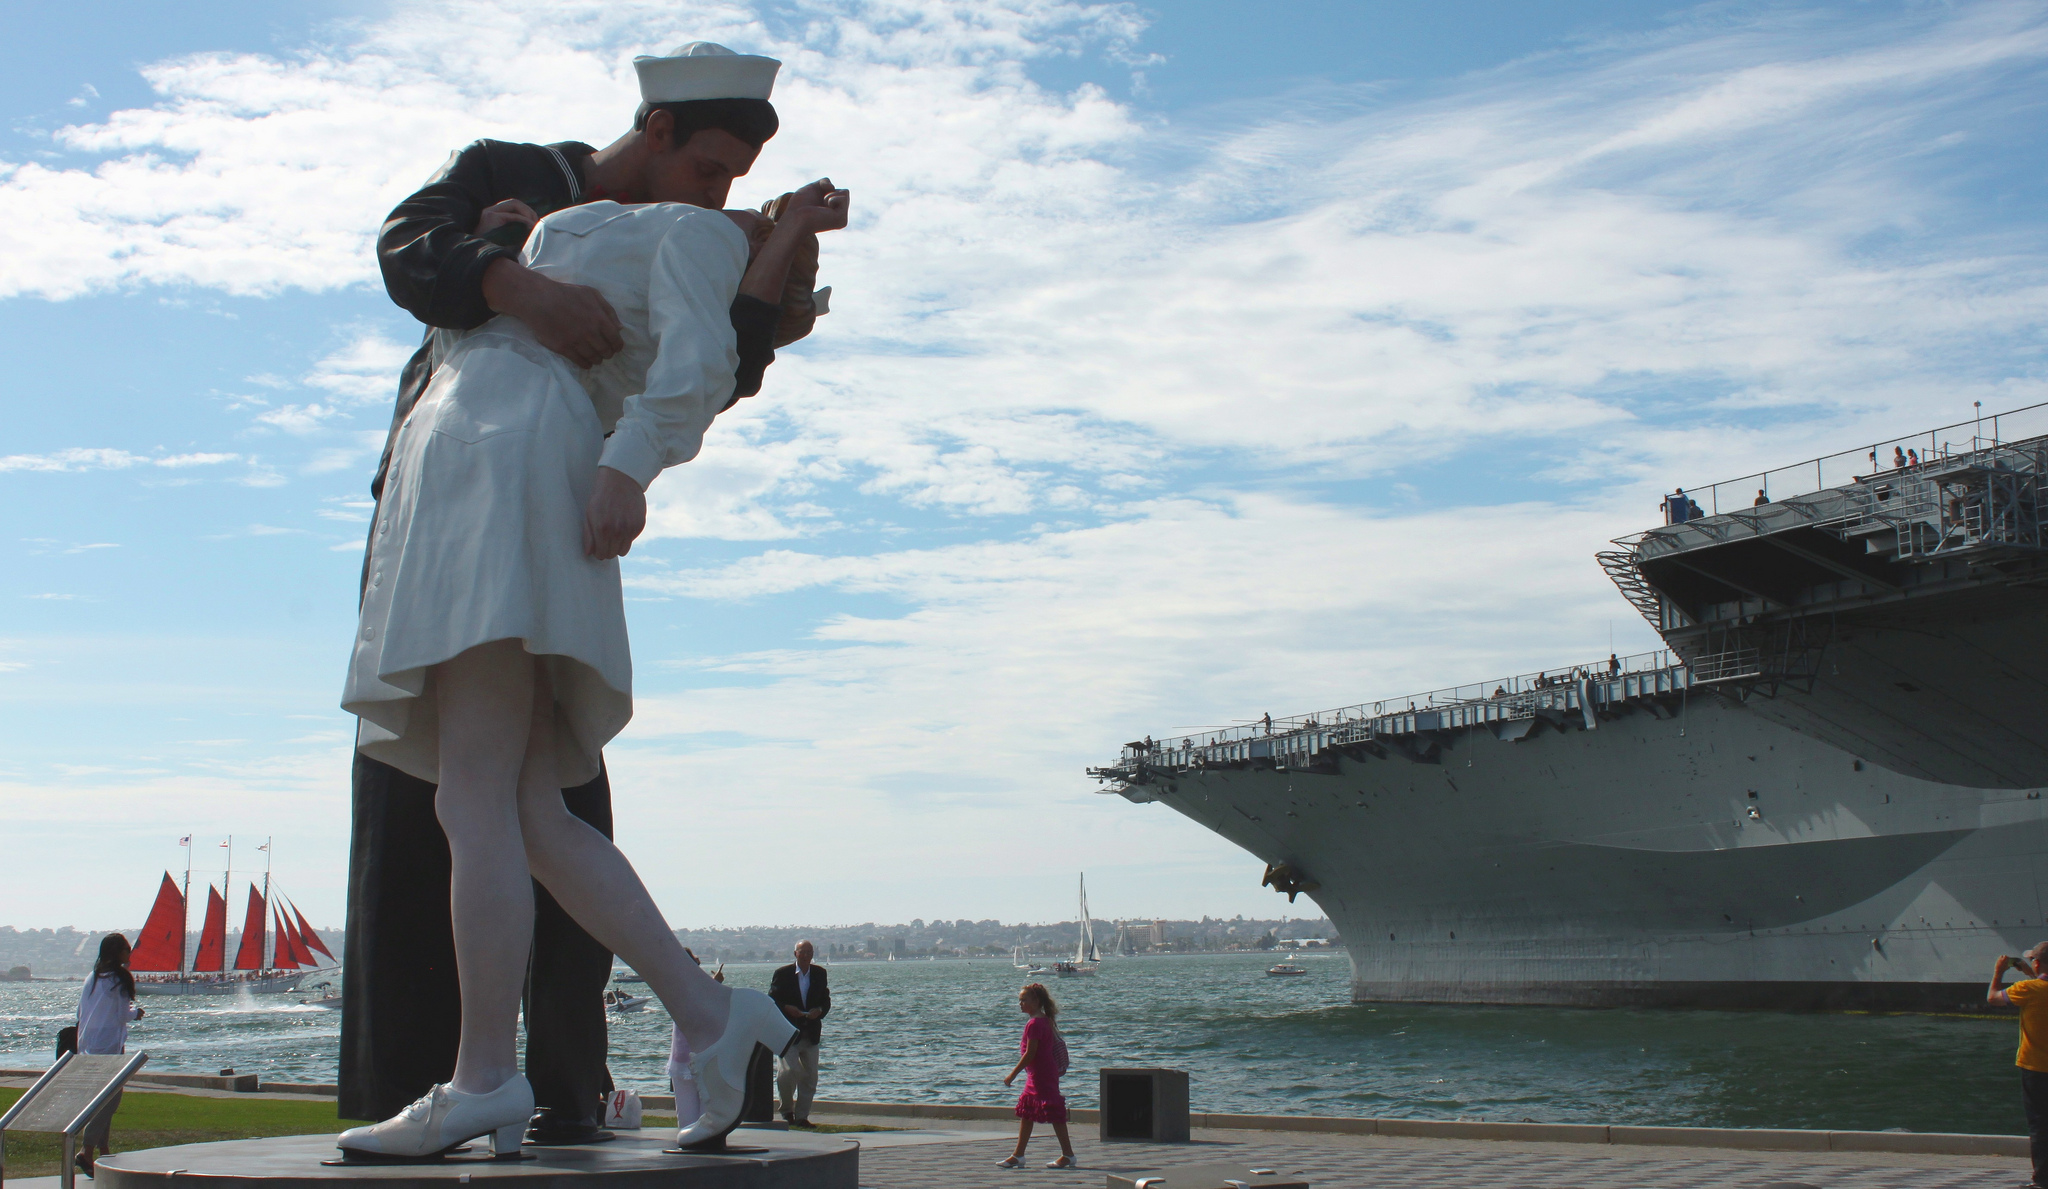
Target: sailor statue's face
(700, 171)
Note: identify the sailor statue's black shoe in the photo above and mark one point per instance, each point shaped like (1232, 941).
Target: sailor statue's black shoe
(552, 1128)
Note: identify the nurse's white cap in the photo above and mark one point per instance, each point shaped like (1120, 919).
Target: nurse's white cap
(704, 70)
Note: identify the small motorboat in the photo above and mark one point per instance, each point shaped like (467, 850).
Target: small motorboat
(1285, 970)
(620, 1001)
(331, 1001)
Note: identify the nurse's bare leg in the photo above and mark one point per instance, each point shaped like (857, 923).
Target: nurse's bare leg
(597, 886)
(485, 703)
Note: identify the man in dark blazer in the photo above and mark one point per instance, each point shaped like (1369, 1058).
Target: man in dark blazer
(804, 994)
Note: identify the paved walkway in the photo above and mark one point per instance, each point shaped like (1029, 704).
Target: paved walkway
(1358, 1162)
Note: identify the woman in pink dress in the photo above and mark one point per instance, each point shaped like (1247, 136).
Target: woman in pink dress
(1043, 1062)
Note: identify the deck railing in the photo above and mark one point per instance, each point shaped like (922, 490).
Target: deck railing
(1929, 447)
(1503, 698)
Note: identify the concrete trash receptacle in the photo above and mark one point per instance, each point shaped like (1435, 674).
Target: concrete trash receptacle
(1149, 1105)
(1209, 1176)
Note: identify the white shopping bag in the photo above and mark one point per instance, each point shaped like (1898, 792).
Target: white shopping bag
(622, 1110)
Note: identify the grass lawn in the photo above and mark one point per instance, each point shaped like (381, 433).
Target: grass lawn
(154, 1120)
(148, 1120)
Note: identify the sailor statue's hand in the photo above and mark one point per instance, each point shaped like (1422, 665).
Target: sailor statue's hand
(573, 321)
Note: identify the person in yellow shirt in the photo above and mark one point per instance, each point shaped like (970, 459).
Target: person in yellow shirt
(2030, 995)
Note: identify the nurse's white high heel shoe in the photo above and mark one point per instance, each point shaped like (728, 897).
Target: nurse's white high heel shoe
(446, 1118)
(721, 1068)
(682, 1082)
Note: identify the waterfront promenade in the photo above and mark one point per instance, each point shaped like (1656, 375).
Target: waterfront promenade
(1392, 1162)
(924, 1152)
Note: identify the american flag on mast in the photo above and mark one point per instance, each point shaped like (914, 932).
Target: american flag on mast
(185, 841)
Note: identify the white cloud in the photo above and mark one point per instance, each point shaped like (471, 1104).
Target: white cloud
(104, 459)
(364, 371)
(300, 419)
(1021, 662)
(1032, 316)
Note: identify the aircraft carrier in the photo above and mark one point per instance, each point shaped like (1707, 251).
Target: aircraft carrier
(1901, 615)
(1685, 830)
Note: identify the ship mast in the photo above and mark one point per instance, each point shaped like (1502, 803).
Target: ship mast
(227, 883)
(265, 848)
(185, 918)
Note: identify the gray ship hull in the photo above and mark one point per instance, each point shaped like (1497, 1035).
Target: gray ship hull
(1680, 852)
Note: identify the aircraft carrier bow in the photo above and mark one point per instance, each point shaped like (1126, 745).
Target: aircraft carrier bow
(1746, 823)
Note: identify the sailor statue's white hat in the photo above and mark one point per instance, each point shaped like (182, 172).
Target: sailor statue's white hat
(704, 70)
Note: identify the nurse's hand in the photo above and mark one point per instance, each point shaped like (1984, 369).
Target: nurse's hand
(505, 213)
(616, 515)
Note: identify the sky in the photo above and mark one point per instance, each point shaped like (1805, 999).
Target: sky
(1187, 362)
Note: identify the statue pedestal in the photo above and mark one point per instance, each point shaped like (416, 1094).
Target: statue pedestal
(632, 1161)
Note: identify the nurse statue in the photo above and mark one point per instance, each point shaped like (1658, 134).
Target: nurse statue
(491, 655)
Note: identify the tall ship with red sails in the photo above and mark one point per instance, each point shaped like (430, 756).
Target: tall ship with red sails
(278, 947)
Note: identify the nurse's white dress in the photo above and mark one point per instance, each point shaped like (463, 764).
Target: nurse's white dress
(479, 535)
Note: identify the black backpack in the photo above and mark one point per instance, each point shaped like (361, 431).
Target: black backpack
(67, 1041)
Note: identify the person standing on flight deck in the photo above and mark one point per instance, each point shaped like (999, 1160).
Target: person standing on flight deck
(401, 1016)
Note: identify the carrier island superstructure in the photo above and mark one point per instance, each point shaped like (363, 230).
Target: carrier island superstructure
(1654, 830)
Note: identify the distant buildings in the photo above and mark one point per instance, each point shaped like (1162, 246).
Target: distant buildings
(964, 938)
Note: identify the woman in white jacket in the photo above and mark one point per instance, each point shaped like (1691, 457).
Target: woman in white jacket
(105, 1008)
(491, 656)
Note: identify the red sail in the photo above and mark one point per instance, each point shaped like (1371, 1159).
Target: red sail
(161, 944)
(249, 955)
(213, 936)
(311, 938)
(284, 959)
(300, 947)
(290, 932)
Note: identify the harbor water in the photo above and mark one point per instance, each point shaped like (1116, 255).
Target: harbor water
(946, 1032)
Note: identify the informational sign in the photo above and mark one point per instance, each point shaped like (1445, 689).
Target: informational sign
(62, 1098)
(66, 1098)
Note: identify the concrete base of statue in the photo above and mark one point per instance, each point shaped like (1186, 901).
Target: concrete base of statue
(756, 1159)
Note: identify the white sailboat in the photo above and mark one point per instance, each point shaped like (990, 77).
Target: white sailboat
(1017, 960)
(1086, 960)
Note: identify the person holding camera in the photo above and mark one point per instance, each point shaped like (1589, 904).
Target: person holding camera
(2030, 995)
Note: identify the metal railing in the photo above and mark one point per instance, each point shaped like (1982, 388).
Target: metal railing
(1732, 665)
(1893, 456)
(1515, 696)
(1989, 497)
